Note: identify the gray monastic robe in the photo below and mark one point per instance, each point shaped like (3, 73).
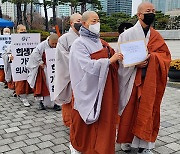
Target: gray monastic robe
(35, 60)
(127, 74)
(88, 76)
(7, 65)
(62, 86)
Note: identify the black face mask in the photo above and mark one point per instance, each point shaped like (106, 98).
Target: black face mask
(149, 18)
(77, 26)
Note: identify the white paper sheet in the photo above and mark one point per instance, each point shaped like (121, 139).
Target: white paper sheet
(134, 52)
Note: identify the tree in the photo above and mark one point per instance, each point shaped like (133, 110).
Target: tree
(19, 4)
(161, 20)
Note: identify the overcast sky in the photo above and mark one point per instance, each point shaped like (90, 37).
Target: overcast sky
(135, 4)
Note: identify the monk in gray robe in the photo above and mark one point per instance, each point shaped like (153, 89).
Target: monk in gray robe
(22, 88)
(37, 77)
(3, 68)
(94, 77)
(62, 86)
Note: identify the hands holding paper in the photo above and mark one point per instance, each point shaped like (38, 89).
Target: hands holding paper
(144, 63)
(115, 57)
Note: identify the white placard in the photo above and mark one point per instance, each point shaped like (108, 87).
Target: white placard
(134, 52)
(22, 46)
(50, 63)
(5, 41)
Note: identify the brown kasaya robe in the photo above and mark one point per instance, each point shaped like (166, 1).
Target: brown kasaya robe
(22, 87)
(141, 117)
(2, 75)
(66, 112)
(41, 88)
(99, 137)
(11, 85)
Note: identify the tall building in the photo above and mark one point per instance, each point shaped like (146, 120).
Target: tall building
(165, 5)
(104, 5)
(8, 9)
(124, 6)
(65, 9)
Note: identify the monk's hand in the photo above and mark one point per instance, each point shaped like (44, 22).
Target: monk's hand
(144, 63)
(115, 57)
(42, 65)
(11, 57)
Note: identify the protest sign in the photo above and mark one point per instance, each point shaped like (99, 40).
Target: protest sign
(22, 46)
(5, 41)
(50, 63)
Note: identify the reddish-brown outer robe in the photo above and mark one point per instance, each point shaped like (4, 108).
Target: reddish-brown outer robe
(66, 113)
(99, 137)
(2, 75)
(11, 85)
(41, 88)
(141, 116)
(22, 87)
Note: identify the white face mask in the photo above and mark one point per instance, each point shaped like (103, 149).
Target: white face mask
(95, 28)
(6, 33)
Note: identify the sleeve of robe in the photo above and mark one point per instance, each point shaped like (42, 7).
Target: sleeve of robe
(88, 78)
(7, 65)
(156, 75)
(126, 79)
(35, 60)
(62, 86)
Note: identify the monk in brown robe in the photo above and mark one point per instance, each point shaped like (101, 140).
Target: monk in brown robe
(37, 77)
(62, 87)
(22, 88)
(94, 77)
(6, 31)
(145, 84)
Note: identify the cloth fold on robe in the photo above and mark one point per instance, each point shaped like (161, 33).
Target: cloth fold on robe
(40, 88)
(98, 137)
(127, 74)
(88, 77)
(2, 75)
(34, 61)
(7, 65)
(62, 86)
(141, 117)
(22, 87)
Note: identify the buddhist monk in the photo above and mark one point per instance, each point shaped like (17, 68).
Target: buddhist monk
(94, 78)
(7, 65)
(142, 86)
(6, 31)
(37, 77)
(62, 89)
(22, 88)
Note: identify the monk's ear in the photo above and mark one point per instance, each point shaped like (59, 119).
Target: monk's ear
(71, 23)
(138, 15)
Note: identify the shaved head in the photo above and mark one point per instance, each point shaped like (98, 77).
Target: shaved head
(89, 18)
(53, 37)
(21, 28)
(146, 9)
(143, 6)
(6, 31)
(75, 17)
(86, 15)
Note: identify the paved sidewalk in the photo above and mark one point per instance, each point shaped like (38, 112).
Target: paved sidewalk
(27, 130)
